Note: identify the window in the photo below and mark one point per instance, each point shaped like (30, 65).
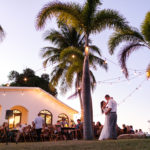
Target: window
(15, 119)
(60, 116)
(47, 116)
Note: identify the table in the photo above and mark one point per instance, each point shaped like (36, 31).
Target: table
(68, 131)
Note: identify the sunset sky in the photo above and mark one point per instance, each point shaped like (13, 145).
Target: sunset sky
(22, 44)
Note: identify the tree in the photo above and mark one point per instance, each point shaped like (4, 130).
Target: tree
(2, 34)
(29, 79)
(68, 53)
(88, 19)
(134, 40)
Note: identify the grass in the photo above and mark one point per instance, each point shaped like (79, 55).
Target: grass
(139, 144)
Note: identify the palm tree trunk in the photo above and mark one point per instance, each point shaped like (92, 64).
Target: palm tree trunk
(86, 98)
(81, 105)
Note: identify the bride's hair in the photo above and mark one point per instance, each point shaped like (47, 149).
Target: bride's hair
(102, 104)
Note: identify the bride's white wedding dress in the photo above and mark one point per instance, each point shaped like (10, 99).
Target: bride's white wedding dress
(105, 131)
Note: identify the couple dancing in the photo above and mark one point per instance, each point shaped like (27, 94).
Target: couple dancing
(109, 108)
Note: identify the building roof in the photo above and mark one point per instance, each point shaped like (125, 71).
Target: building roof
(3, 88)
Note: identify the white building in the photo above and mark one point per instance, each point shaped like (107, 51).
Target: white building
(27, 102)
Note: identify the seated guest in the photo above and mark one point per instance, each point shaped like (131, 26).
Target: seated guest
(128, 129)
(45, 132)
(57, 133)
(97, 129)
(79, 124)
(33, 132)
(72, 124)
(131, 130)
(33, 125)
(136, 131)
(64, 123)
(20, 129)
(5, 132)
(79, 129)
(124, 130)
(57, 127)
(140, 132)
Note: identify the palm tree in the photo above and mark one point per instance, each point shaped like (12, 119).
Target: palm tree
(88, 19)
(69, 56)
(1, 33)
(134, 40)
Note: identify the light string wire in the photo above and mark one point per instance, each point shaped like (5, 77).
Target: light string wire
(130, 94)
(109, 60)
(119, 79)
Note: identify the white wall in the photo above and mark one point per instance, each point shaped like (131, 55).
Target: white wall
(34, 101)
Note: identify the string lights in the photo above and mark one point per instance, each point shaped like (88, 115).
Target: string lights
(131, 69)
(120, 79)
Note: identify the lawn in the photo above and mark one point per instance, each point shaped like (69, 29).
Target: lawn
(140, 144)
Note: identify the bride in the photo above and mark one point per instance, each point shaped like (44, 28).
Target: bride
(105, 131)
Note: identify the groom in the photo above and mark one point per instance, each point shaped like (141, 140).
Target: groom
(112, 116)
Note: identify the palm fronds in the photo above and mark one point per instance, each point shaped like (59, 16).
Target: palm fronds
(60, 10)
(71, 53)
(124, 36)
(125, 53)
(2, 34)
(95, 49)
(145, 28)
(98, 61)
(108, 19)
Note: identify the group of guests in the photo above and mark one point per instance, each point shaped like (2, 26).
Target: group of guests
(128, 129)
(124, 130)
(38, 131)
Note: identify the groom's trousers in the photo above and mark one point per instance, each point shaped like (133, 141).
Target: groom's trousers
(113, 123)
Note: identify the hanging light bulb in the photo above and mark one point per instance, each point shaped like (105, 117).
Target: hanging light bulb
(78, 88)
(25, 79)
(105, 62)
(86, 50)
(73, 56)
(7, 84)
(148, 74)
